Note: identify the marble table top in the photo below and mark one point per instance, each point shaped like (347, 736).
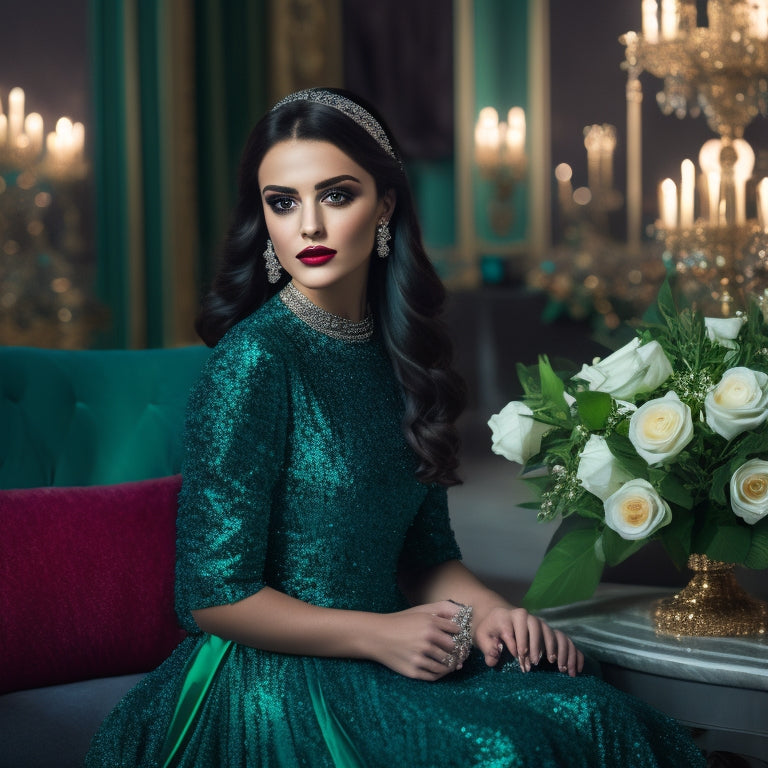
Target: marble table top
(616, 628)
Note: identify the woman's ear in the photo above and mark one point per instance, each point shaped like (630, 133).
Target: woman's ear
(388, 200)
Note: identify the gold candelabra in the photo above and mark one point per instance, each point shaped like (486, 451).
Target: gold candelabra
(501, 159)
(720, 70)
(46, 263)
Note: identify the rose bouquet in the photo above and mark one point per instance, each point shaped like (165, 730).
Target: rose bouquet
(667, 438)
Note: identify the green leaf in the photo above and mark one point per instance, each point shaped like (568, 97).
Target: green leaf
(570, 571)
(752, 443)
(626, 455)
(539, 483)
(757, 557)
(666, 301)
(551, 385)
(729, 543)
(616, 549)
(676, 537)
(528, 380)
(594, 409)
(671, 489)
(721, 480)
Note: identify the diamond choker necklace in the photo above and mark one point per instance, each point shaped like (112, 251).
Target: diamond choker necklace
(322, 321)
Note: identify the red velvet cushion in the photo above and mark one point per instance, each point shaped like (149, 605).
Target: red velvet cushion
(86, 581)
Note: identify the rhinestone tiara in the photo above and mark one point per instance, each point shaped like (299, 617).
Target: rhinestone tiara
(346, 106)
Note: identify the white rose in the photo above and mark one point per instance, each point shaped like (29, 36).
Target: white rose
(661, 428)
(738, 403)
(635, 511)
(633, 369)
(598, 470)
(723, 330)
(749, 491)
(516, 434)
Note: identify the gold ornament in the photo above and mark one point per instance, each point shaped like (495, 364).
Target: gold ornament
(713, 604)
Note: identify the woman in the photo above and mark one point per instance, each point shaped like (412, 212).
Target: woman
(331, 621)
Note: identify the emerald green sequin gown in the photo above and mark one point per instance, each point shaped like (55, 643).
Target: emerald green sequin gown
(298, 477)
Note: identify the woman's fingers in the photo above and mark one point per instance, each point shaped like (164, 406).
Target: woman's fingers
(528, 639)
(436, 648)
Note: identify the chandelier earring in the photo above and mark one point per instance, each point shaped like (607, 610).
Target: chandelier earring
(383, 236)
(273, 265)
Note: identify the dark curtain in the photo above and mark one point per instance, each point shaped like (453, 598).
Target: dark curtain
(398, 54)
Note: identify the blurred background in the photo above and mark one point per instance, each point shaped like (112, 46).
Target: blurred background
(122, 122)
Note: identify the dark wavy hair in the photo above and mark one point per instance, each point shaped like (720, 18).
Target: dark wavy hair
(405, 292)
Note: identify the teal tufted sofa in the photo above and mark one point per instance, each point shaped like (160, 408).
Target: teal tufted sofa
(90, 456)
(92, 417)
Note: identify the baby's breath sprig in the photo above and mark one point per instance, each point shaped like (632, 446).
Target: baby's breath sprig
(692, 386)
(561, 497)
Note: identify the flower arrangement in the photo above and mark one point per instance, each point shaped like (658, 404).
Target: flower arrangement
(667, 439)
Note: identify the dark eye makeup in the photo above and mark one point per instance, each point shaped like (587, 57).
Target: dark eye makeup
(335, 196)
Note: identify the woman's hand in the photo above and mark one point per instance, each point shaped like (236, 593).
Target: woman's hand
(418, 642)
(526, 637)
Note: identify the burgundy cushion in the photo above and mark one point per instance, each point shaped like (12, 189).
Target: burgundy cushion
(86, 581)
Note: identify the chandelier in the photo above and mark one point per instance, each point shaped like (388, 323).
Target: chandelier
(721, 71)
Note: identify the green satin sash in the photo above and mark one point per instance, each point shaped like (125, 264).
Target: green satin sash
(200, 672)
(201, 669)
(343, 751)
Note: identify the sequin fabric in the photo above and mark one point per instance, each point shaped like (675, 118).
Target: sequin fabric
(298, 477)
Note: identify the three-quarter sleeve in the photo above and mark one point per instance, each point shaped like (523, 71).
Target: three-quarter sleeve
(430, 539)
(234, 447)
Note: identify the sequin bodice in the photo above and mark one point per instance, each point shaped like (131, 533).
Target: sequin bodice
(298, 466)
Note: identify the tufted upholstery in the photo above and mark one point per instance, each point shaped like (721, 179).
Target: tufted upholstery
(101, 419)
(92, 417)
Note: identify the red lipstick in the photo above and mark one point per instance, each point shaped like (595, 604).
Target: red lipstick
(315, 255)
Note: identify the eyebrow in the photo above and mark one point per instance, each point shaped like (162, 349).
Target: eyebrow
(322, 185)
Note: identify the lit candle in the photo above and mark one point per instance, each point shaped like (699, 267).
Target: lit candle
(33, 127)
(709, 160)
(758, 19)
(515, 138)
(634, 162)
(592, 141)
(651, 21)
(59, 142)
(713, 188)
(564, 174)
(78, 140)
(742, 173)
(487, 138)
(668, 195)
(687, 193)
(15, 115)
(669, 19)
(607, 148)
(762, 203)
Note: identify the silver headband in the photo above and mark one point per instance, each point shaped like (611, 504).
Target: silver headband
(346, 106)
